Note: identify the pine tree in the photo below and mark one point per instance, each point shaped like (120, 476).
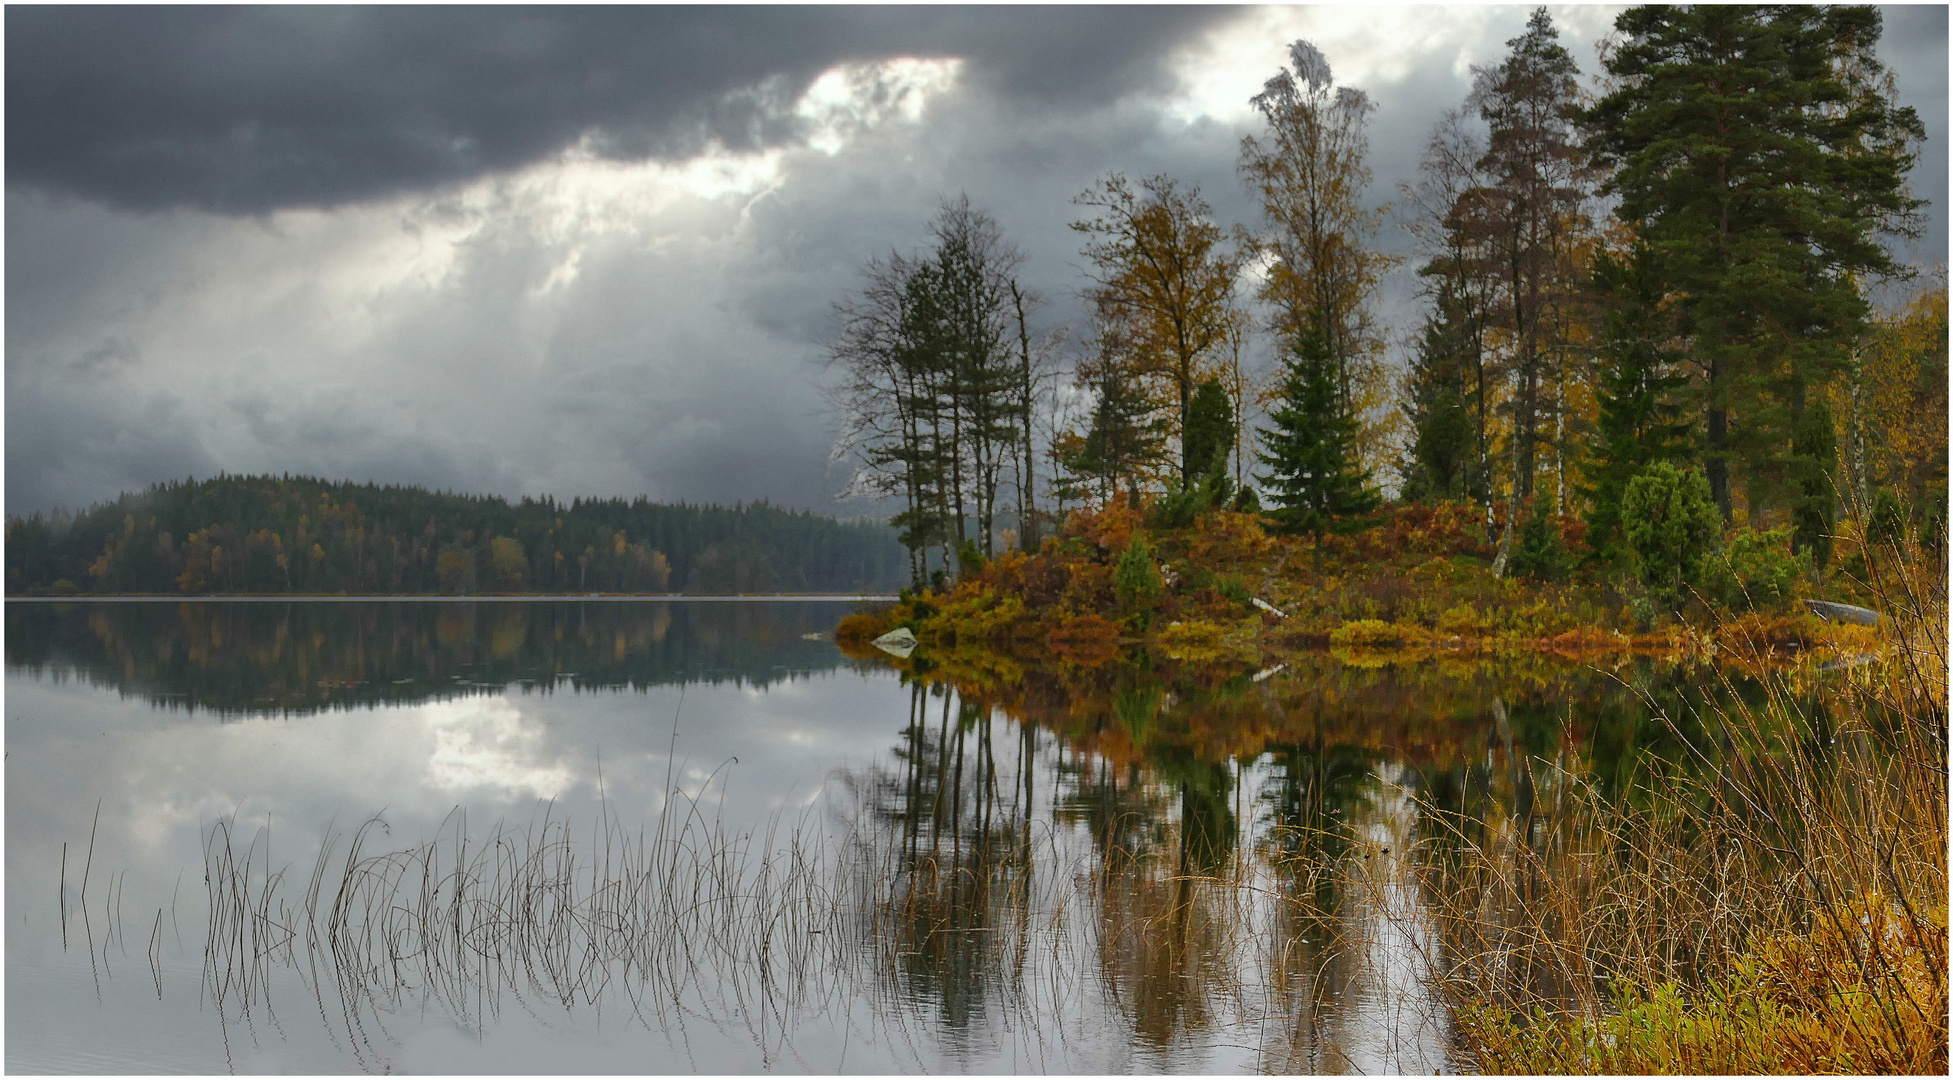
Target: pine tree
(1314, 477)
(1531, 213)
(1759, 153)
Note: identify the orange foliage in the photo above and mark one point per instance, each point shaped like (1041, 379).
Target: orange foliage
(1086, 640)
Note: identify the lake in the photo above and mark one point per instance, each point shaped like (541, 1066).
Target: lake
(670, 836)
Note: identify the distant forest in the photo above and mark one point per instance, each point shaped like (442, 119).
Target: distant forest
(294, 534)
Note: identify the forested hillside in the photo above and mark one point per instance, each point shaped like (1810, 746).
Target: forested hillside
(263, 534)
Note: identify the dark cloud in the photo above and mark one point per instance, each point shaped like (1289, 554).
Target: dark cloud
(1914, 47)
(247, 109)
(74, 448)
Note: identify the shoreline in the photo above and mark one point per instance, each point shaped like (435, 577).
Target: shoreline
(315, 598)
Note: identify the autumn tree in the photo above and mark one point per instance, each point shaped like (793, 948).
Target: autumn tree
(1165, 269)
(1309, 170)
(1532, 217)
(1895, 406)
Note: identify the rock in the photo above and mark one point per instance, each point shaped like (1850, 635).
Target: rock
(1844, 613)
(899, 642)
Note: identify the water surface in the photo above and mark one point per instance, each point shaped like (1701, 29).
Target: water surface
(608, 836)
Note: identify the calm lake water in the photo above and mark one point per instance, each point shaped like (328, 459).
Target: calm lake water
(604, 836)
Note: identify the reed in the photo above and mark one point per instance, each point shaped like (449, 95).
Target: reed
(1773, 901)
(932, 912)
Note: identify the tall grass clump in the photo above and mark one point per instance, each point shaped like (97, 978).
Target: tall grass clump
(1771, 899)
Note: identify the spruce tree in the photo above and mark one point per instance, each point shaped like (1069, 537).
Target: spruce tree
(1127, 434)
(1204, 447)
(1210, 430)
(1440, 464)
(1814, 468)
(1638, 391)
(1314, 478)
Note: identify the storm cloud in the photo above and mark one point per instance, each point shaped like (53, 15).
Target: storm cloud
(595, 251)
(247, 109)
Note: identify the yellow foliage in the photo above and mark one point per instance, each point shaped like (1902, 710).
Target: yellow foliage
(981, 616)
(1196, 641)
(1461, 620)
(1372, 633)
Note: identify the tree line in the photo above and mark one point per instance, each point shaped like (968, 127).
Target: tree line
(287, 534)
(1669, 268)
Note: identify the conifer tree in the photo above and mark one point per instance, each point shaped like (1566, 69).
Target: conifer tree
(1126, 435)
(1314, 478)
(1758, 151)
(1440, 462)
(1530, 213)
(1672, 529)
(1814, 468)
(1638, 394)
(1210, 434)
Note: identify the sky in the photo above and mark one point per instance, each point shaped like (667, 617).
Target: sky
(595, 251)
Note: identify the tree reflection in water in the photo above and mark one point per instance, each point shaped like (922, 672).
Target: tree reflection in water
(1052, 867)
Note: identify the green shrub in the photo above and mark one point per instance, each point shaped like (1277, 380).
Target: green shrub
(1757, 571)
(1541, 556)
(1886, 523)
(1136, 577)
(1672, 526)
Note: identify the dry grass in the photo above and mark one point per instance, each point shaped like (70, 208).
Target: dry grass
(1775, 901)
